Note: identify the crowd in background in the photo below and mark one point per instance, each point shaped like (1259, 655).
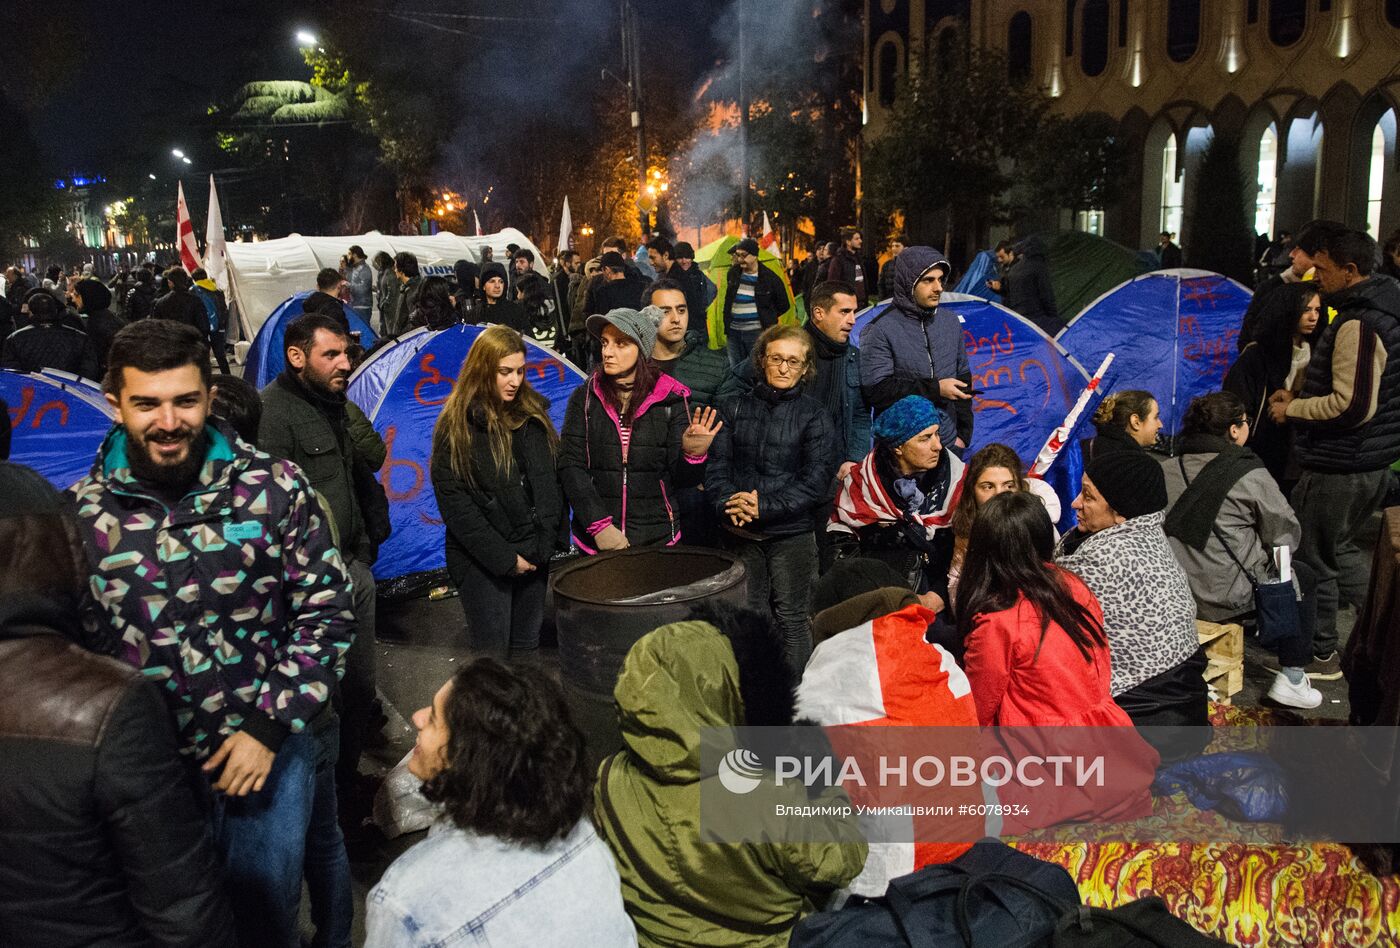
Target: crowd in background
(221, 548)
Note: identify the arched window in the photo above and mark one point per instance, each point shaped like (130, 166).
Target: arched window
(1173, 188)
(1069, 27)
(1267, 176)
(1392, 12)
(886, 72)
(1019, 44)
(1093, 51)
(1122, 23)
(1375, 188)
(1287, 20)
(1183, 29)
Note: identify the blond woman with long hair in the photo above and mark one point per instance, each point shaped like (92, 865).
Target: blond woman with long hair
(493, 471)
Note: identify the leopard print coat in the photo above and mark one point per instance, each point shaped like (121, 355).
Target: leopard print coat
(1148, 613)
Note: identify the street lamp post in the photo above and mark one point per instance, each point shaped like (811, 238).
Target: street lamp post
(632, 52)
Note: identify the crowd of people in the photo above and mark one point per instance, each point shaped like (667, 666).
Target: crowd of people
(198, 613)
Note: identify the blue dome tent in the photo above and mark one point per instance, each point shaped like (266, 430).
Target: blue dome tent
(1027, 385)
(267, 356)
(59, 422)
(974, 281)
(402, 388)
(1172, 331)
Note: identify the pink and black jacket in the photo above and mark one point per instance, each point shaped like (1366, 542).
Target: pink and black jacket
(633, 490)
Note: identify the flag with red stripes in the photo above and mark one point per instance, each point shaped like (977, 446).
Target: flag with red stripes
(863, 500)
(189, 251)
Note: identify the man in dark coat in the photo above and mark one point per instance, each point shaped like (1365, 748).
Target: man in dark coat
(897, 244)
(101, 840)
(141, 298)
(846, 267)
(180, 304)
(1300, 259)
(95, 302)
(1026, 286)
(622, 287)
(754, 299)
(699, 290)
(47, 342)
(1168, 253)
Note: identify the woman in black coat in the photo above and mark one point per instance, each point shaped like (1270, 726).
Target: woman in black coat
(493, 472)
(769, 481)
(629, 441)
(1288, 320)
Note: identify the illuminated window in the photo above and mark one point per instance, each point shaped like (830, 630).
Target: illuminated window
(1173, 188)
(1267, 200)
(1090, 222)
(1375, 189)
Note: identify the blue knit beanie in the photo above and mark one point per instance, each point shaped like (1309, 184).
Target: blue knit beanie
(906, 418)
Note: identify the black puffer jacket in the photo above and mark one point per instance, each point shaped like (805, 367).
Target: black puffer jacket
(636, 495)
(500, 517)
(101, 841)
(48, 346)
(102, 324)
(182, 306)
(781, 444)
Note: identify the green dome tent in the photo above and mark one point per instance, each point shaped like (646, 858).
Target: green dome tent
(1084, 267)
(714, 260)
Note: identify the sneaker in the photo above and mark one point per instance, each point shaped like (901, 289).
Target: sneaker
(1301, 695)
(1325, 667)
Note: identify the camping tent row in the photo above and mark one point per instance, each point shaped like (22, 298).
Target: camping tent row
(265, 273)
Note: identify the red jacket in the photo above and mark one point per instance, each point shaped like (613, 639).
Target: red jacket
(1014, 686)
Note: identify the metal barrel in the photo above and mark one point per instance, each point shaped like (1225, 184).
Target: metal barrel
(597, 626)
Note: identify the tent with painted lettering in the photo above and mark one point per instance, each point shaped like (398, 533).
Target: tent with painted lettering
(402, 388)
(1172, 331)
(267, 357)
(265, 273)
(58, 423)
(714, 259)
(1027, 381)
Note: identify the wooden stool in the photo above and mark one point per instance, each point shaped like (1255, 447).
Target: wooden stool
(1224, 645)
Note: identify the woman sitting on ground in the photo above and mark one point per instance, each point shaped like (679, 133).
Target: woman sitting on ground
(1126, 421)
(1226, 519)
(769, 478)
(897, 504)
(995, 469)
(629, 441)
(1278, 359)
(493, 474)
(512, 859)
(720, 670)
(1149, 615)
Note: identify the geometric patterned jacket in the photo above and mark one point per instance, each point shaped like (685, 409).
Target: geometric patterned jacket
(235, 603)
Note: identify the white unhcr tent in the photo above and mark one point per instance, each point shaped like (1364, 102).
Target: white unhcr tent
(265, 273)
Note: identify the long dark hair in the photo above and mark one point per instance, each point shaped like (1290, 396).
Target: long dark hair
(1278, 319)
(515, 764)
(1008, 556)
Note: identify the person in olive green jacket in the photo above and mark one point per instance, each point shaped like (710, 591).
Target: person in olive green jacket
(306, 419)
(678, 889)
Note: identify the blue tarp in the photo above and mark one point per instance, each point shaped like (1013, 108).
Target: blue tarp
(58, 423)
(402, 388)
(267, 356)
(974, 281)
(1172, 333)
(1027, 382)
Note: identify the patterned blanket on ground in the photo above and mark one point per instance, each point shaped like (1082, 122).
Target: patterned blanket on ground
(1247, 893)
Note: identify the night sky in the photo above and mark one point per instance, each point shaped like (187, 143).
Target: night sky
(136, 84)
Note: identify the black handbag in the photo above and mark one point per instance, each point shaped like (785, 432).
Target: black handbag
(1275, 604)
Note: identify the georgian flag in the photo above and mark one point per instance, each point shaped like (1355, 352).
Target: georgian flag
(184, 228)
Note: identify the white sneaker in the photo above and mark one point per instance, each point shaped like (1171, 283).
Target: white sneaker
(1302, 695)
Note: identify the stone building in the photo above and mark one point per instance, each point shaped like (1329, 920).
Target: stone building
(1311, 87)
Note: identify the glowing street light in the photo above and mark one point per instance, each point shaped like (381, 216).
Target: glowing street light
(307, 38)
(177, 153)
(151, 176)
(186, 160)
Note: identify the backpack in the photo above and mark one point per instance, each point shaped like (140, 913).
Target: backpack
(994, 897)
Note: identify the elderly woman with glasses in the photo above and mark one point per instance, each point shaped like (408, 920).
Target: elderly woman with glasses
(768, 480)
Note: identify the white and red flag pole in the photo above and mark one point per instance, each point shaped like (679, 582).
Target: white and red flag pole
(1061, 435)
(184, 228)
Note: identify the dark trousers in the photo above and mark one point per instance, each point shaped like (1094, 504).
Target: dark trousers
(698, 524)
(218, 341)
(503, 615)
(1332, 510)
(357, 688)
(780, 574)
